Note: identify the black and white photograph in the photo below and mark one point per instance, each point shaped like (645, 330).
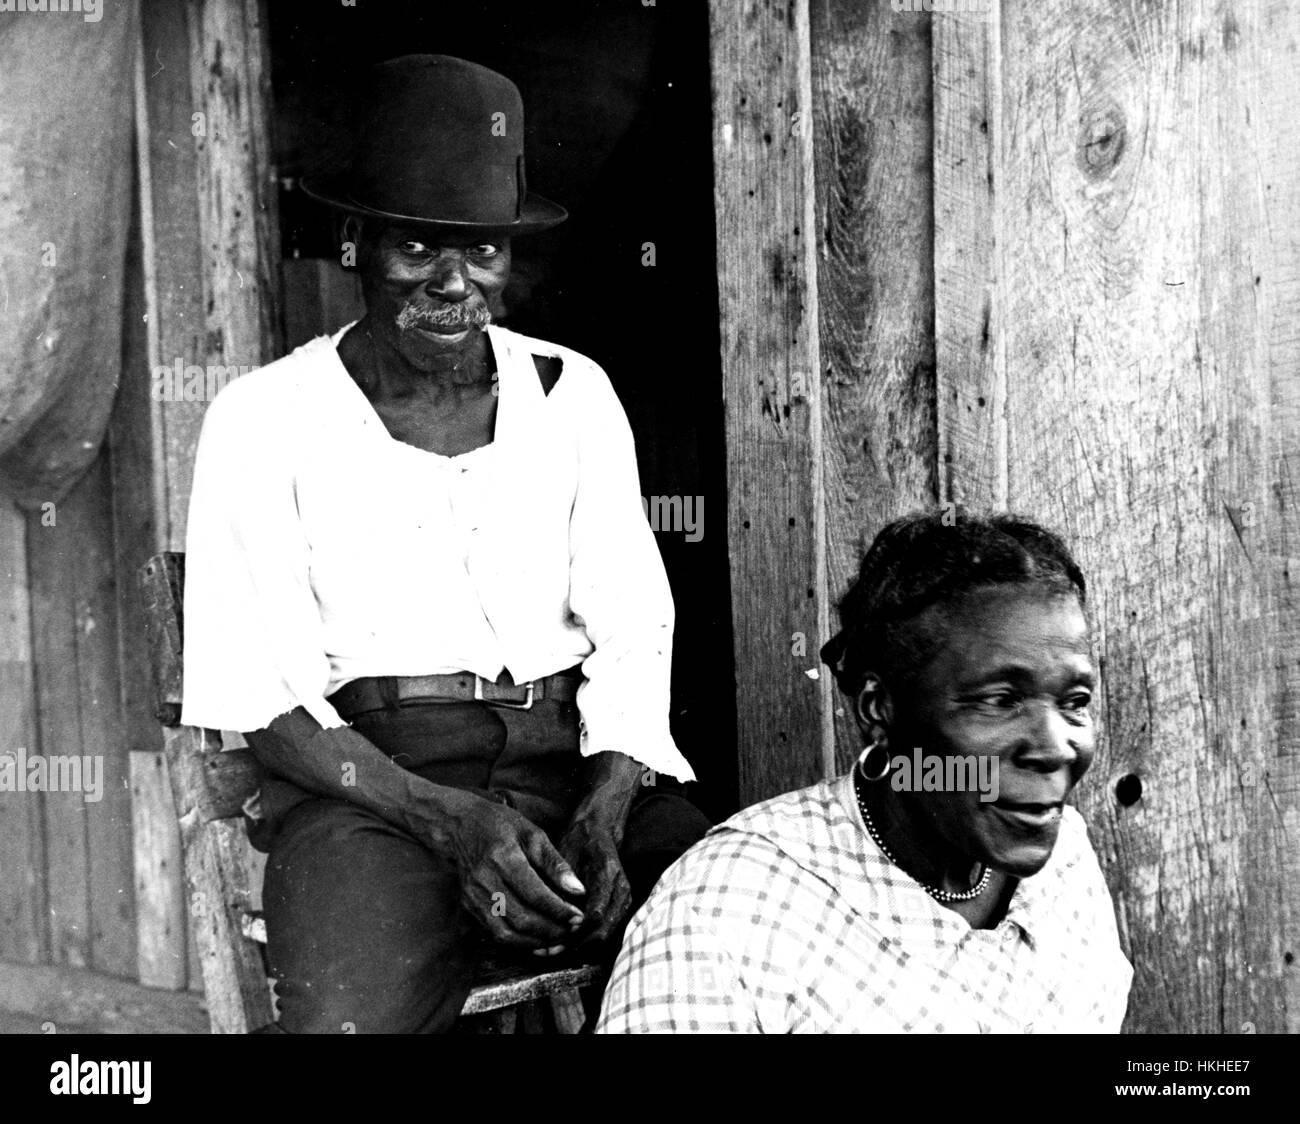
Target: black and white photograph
(657, 517)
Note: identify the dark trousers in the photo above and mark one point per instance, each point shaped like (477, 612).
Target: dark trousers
(365, 930)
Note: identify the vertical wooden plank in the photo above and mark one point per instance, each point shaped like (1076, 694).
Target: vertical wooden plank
(157, 869)
(231, 85)
(24, 923)
(873, 136)
(209, 227)
(90, 897)
(171, 239)
(159, 892)
(56, 591)
(108, 819)
(172, 317)
(971, 372)
(763, 195)
(210, 254)
(1149, 347)
(1273, 53)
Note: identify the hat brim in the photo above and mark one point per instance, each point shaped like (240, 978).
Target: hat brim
(538, 213)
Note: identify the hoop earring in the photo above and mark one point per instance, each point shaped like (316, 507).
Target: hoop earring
(877, 769)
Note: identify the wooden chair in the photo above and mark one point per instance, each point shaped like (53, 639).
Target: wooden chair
(210, 786)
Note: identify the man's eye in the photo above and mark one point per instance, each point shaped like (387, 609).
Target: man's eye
(411, 246)
(1077, 702)
(1001, 700)
(485, 250)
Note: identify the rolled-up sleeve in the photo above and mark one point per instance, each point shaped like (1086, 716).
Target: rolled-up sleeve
(252, 639)
(620, 594)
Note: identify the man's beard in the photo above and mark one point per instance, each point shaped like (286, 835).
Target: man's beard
(467, 314)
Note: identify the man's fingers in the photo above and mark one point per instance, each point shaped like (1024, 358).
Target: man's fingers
(510, 921)
(613, 909)
(524, 881)
(546, 859)
(554, 950)
(603, 888)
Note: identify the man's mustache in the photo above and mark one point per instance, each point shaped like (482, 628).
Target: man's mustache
(467, 314)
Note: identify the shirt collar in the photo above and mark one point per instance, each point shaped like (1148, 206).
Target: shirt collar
(886, 887)
(517, 392)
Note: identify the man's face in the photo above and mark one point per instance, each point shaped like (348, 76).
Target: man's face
(429, 293)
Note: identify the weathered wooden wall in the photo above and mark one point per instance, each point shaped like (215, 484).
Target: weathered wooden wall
(1099, 206)
(822, 140)
(99, 885)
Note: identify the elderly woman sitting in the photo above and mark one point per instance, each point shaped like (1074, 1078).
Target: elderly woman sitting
(897, 897)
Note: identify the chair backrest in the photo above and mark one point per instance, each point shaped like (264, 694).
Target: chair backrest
(225, 782)
(209, 787)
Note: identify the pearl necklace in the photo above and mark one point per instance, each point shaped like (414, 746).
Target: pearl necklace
(935, 892)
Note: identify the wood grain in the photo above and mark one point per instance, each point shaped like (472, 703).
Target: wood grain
(91, 1002)
(875, 279)
(968, 240)
(1273, 50)
(763, 195)
(160, 901)
(157, 870)
(52, 564)
(74, 615)
(210, 238)
(111, 882)
(219, 884)
(24, 922)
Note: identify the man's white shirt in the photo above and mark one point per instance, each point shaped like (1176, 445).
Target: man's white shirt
(319, 550)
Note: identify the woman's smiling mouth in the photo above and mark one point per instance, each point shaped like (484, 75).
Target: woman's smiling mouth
(1027, 814)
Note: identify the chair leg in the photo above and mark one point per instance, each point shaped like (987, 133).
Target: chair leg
(532, 1017)
(502, 1021)
(568, 1011)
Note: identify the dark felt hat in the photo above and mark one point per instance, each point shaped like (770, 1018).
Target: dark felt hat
(441, 145)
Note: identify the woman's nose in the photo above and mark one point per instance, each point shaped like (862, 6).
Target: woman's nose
(1053, 742)
(449, 280)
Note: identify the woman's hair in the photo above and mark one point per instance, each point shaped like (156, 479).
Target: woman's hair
(930, 558)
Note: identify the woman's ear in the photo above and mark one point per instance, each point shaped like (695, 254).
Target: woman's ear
(873, 708)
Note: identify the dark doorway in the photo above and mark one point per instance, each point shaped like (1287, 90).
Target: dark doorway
(617, 118)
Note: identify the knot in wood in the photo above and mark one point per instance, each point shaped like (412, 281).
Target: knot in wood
(1102, 133)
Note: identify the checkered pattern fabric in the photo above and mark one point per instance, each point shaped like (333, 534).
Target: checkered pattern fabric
(788, 918)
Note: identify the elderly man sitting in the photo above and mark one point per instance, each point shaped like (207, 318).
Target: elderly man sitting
(420, 579)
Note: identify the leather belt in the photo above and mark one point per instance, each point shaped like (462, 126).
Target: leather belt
(383, 691)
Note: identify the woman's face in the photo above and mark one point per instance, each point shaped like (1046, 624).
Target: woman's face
(1011, 680)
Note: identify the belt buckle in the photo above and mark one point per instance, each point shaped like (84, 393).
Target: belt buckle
(527, 704)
